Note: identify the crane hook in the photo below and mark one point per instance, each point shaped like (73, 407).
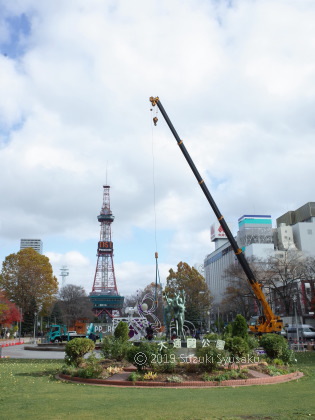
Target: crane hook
(155, 120)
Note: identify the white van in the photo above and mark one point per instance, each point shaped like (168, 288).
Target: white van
(305, 331)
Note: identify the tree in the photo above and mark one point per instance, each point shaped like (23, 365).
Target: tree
(29, 318)
(122, 331)
(9, 312)
(309, 268)
(27, 277)
(56, 316)
(283, 271)
(279, 274)
(74, 304)
(238, 298)
(239, 327)
(198, 297)
(308, 285)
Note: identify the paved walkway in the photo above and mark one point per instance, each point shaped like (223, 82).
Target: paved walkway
(123, 376)
(256, 374)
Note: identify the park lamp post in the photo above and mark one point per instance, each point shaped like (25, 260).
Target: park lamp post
(209, 321)
(201, 292)
(296, 322)
(35, 317)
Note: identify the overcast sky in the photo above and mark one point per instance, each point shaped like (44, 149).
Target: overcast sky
(237, 79)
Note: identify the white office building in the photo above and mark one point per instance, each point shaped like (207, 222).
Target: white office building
(36, 244)
(257, 238)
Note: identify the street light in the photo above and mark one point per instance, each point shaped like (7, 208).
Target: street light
(209, 320)
(35, 315)
(296, 322)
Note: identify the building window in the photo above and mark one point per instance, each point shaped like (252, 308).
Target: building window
(309, 231)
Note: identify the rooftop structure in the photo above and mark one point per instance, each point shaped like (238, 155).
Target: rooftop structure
(36, 244)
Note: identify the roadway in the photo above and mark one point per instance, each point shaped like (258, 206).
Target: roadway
(18, 352)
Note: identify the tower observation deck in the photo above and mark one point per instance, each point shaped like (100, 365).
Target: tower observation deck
(104, 295)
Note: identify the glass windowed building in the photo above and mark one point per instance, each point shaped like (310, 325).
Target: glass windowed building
(36, 244)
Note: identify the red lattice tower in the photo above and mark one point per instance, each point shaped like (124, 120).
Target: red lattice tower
(104, 280)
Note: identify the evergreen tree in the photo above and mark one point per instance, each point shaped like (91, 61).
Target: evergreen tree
(239, 327)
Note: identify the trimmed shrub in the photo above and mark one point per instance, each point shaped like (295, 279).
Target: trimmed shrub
(210, 358)
(288, 356)
(142, 356)
(276, 347)
(253, 343)
(211, 336)
(122, 331)
(91, 368)
(165, 361)
(148, 354)
(227, 331)
(76, 349)
(239, 327)
(238, 349)
(115, 348)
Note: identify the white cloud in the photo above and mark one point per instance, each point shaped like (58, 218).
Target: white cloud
(133, 276)
(237, 80)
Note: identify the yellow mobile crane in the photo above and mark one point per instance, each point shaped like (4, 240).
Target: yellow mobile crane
(269, 322)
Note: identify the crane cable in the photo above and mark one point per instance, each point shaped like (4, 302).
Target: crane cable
(157, 274)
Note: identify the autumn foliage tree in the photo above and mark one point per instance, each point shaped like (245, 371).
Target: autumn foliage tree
(198, 297)
(9, 312)
(27, 280)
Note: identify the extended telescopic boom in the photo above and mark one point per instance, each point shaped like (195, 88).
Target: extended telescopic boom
(270, 322)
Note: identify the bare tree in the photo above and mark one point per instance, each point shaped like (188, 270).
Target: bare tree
(238, 299)
(239, 296)
(280, 275)
(283, 272)
(308, 285)
(74, 304)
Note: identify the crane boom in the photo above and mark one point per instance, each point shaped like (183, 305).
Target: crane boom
(269, 322)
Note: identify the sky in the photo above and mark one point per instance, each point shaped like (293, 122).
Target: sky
(237, 79)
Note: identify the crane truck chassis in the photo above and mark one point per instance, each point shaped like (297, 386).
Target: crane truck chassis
(59, 333)
(268, 322)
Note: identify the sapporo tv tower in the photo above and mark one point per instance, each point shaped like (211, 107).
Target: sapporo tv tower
(104, 296)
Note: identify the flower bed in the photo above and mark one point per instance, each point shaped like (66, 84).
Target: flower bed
(186, 384)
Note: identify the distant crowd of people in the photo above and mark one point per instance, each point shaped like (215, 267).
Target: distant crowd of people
(5, 333)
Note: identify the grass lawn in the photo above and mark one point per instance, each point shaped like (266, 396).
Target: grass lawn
(29, 390)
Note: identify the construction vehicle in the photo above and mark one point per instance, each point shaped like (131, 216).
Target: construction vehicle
(268, 322)
(59, 333)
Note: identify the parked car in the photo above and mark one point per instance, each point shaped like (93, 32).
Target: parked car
(305, 331)
(72, 333)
